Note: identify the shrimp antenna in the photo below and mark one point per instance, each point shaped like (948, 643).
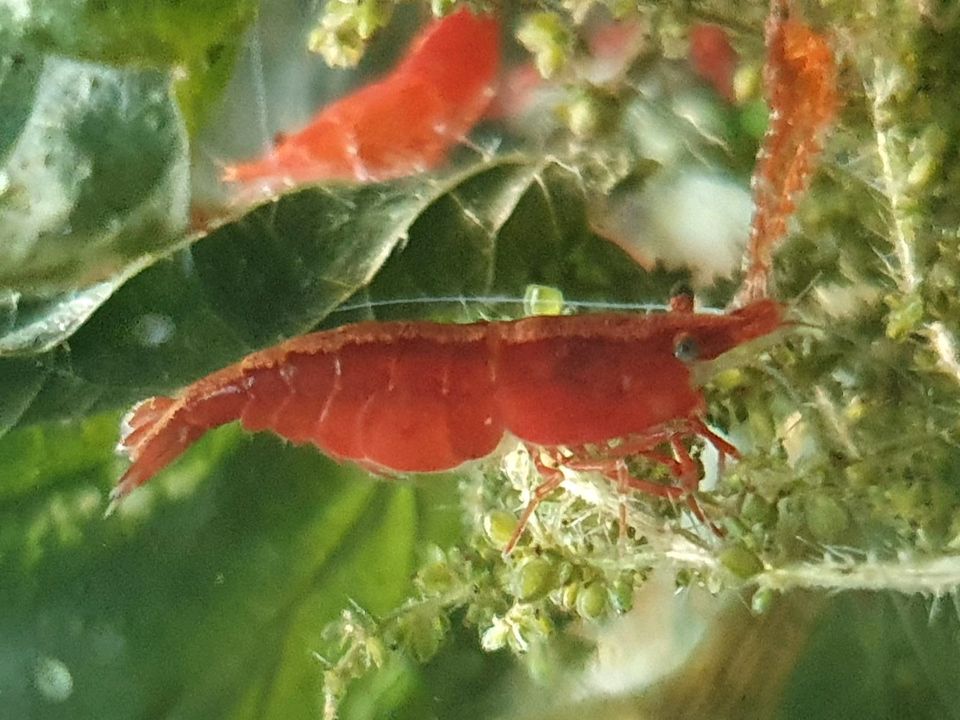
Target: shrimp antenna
(507, 299)
(795, 301)
(214, 157)
(259, 83)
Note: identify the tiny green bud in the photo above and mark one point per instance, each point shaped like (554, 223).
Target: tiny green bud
(532, 579)
(436, 578)
(621, 594)
(754, 118)
(922, 170)
(729, 379)
(925, 155)
(790, 515)
(740, 561)
(546, 36)
(442, 7)
(542, 300)
(746, 83)
(859, 475)
(855, 410)
(761, 601)
(568, 595)
(906, 314)
(423, 633)
(592, 601)
(342, 33)
(499, 526)
(591, 113)
(621, 8)
(826, 519)
(529, 628)
(757, 511)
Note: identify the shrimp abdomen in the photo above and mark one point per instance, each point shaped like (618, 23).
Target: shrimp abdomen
(411, 405)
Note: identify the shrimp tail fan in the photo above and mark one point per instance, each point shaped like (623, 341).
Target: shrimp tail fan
(152, 435)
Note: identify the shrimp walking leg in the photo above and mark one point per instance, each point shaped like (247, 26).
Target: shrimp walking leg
(612, 465)
(553, 479)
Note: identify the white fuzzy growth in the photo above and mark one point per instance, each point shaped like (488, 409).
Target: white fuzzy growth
(53, 680)
(40, 159)
(154, 329)
(933, 575)
(18, 10)
(698, 220)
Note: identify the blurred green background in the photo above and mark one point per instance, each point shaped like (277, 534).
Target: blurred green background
(206, 595)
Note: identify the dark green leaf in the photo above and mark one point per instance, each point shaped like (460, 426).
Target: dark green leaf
(21, 380)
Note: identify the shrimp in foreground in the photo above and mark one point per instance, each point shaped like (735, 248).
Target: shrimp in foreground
(400, 125)
(401, 397)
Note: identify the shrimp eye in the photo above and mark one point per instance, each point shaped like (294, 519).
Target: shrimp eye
(686, 349)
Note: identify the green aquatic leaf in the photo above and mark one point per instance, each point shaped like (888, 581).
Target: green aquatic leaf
(201, 40)
(94, 174)
(207, 591)
(21, 380)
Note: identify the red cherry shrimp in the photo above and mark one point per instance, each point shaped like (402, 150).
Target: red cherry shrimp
(800, 79)
(401, 124)
(399, 397)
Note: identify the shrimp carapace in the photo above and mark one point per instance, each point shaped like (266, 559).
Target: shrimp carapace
(426, 397)
(402, 124)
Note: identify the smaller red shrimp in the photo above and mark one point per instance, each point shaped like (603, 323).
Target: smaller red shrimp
(713, 58)
(399, 125)
(399, 397)
(800, 79)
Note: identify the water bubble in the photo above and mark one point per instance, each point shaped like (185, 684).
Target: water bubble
(153, 329)
(52, 679)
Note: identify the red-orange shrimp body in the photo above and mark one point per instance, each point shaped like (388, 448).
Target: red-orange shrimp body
(404, 123)
(800, 78)
(426, 397)
(713, 58)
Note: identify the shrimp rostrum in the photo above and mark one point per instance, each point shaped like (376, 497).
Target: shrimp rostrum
(399, 397)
